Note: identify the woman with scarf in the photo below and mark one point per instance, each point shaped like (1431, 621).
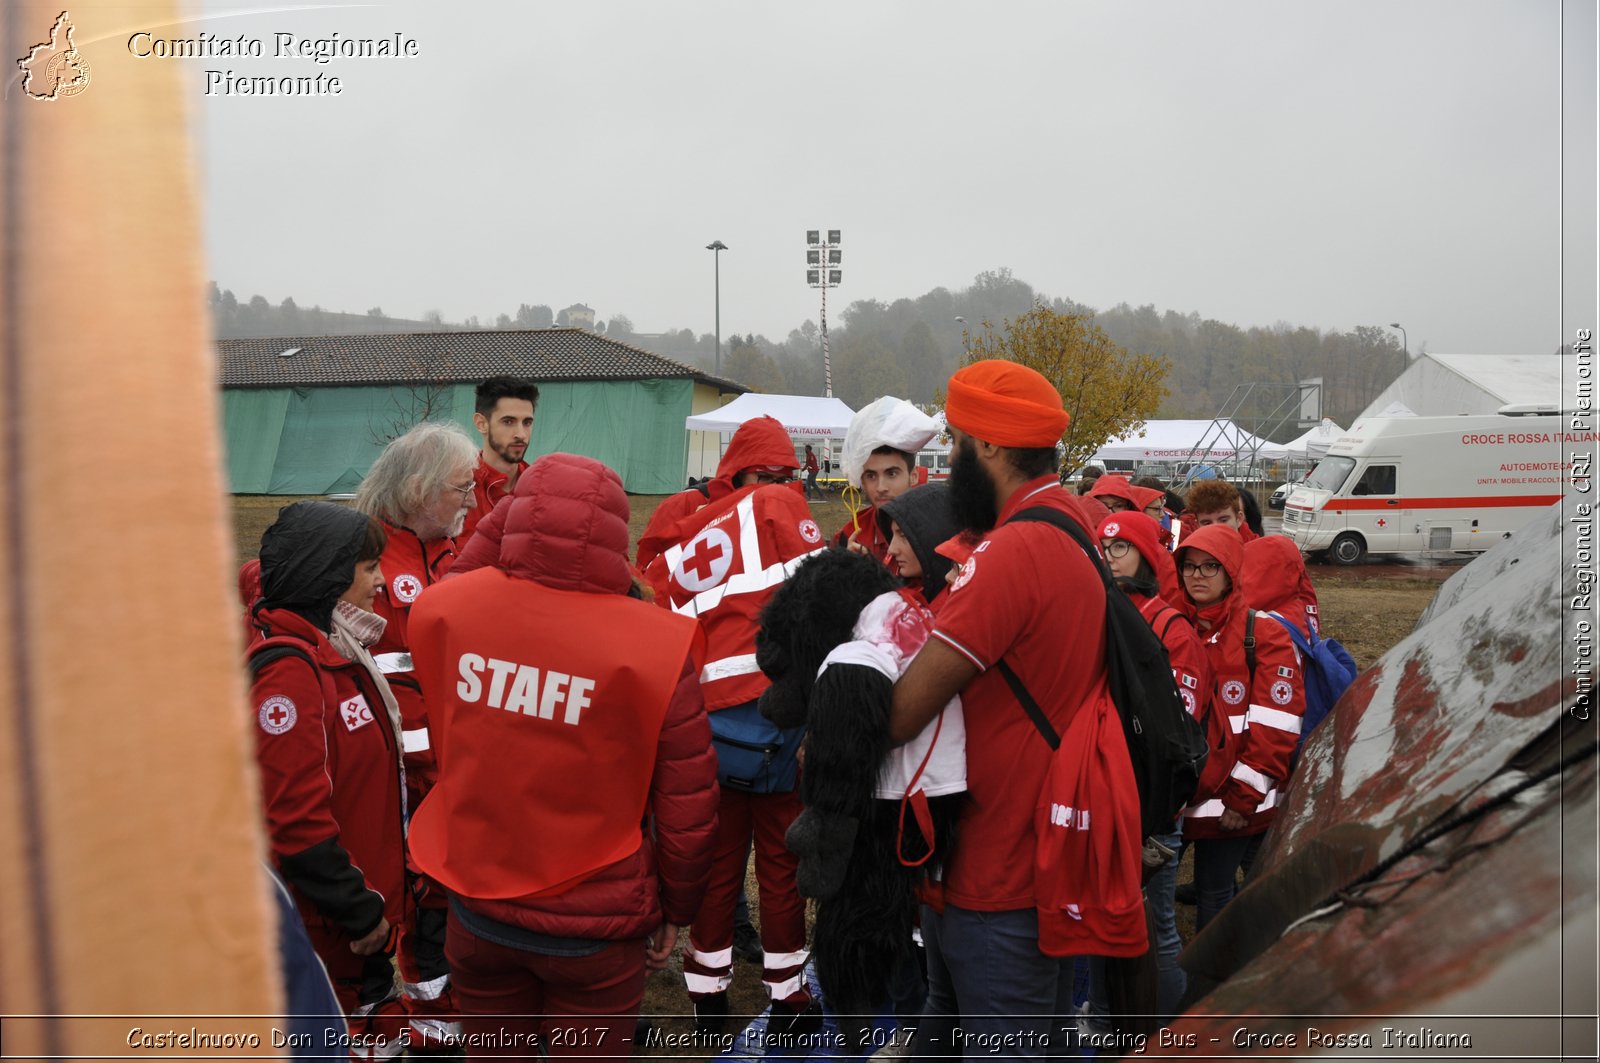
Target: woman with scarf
(1253, 721)
(326, 727)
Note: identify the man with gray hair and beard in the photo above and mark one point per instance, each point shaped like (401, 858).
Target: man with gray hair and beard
(421, 488)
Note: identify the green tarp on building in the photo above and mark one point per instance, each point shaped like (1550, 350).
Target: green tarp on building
(322, 440)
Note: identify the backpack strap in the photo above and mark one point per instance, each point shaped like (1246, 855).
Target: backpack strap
(1058, 519)
(1301, 642)
(1173, 617)
(1030, 706)
(1250, 643)
(271, 650)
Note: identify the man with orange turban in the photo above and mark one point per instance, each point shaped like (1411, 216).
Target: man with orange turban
(1032, 598)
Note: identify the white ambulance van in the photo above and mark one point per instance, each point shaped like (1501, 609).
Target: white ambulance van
(1394, 485)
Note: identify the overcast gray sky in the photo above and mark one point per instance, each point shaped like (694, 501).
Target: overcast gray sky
(1329, 163)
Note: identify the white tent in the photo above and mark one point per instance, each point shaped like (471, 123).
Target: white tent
(1442, 385)
(800, 415)
(1180, 440)
(1315, 443)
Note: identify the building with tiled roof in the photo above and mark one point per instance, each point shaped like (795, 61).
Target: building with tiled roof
(308, 414)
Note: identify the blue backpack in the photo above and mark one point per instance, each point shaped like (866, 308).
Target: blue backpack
(1329, 670)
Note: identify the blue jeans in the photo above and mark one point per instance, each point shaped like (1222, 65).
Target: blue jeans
(991, 992)
(1171, 979)
(1216, 862)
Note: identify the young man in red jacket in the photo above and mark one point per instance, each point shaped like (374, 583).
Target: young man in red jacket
(503, 416)
(1032, 597)
(421, 488)
(565, 715)
(720, 562)
(1215, 502)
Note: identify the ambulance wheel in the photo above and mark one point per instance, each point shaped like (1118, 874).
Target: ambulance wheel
(1347, 549)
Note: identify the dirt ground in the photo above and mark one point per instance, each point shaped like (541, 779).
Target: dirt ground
(1368, 609)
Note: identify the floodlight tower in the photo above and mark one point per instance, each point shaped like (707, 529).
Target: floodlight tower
(822, 260)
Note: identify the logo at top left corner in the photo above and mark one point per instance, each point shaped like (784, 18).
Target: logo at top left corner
(55, 69)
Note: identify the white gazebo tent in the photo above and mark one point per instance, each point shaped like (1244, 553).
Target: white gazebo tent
(1169, 442)
(1306, 450)
(806, 417)
(1313, 444)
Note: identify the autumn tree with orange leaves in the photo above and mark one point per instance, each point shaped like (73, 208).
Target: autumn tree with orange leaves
(1107, 389)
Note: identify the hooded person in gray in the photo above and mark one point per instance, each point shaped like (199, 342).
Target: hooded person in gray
(925, 520)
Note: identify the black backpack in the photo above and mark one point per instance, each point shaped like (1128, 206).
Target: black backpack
(1166, 744)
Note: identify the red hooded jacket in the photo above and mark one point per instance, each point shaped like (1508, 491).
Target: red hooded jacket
(1276, 581)
(565, 529)
(759, 441)
(1255, 717)
(329, 783)
(1191, 670)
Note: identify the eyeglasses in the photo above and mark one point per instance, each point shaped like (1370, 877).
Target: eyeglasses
(1206, 569)
(466, 492)
(1116, 548)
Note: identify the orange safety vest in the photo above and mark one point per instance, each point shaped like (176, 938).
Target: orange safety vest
(546, 706)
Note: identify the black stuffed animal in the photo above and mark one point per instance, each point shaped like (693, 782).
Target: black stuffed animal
(846, 838)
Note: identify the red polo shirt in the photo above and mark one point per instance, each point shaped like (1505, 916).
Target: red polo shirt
(1028, 594)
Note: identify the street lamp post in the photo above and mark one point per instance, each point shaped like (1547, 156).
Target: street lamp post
(822, 255)
(716, 247)
(1405, 344)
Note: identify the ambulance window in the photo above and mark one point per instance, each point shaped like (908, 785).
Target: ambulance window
(1330, 474)
(1376, 480)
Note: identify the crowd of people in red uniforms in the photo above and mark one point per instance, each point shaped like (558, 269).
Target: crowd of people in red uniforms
(436, 676)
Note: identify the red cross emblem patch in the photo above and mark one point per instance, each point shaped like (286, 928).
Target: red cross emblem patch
(355, 713)
(277, 714)
(705, 561)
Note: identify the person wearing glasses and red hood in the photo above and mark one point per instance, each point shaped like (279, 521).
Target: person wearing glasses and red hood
(1254, 720)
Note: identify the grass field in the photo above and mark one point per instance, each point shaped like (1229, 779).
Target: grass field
(1368, 616)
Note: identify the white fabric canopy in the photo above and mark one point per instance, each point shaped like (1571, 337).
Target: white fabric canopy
(800, 415)
(1179, 440)
(1442, 385)
(1314, 444)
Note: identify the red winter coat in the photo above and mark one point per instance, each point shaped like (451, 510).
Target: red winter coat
(759, 441)
(329, 783)
(565, 527)
(1276, 581)
(1254, 720)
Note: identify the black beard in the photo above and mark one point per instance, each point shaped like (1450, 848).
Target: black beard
(972, 492)
(504, 454)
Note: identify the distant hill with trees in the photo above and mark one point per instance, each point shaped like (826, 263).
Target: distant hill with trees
(909, 347)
